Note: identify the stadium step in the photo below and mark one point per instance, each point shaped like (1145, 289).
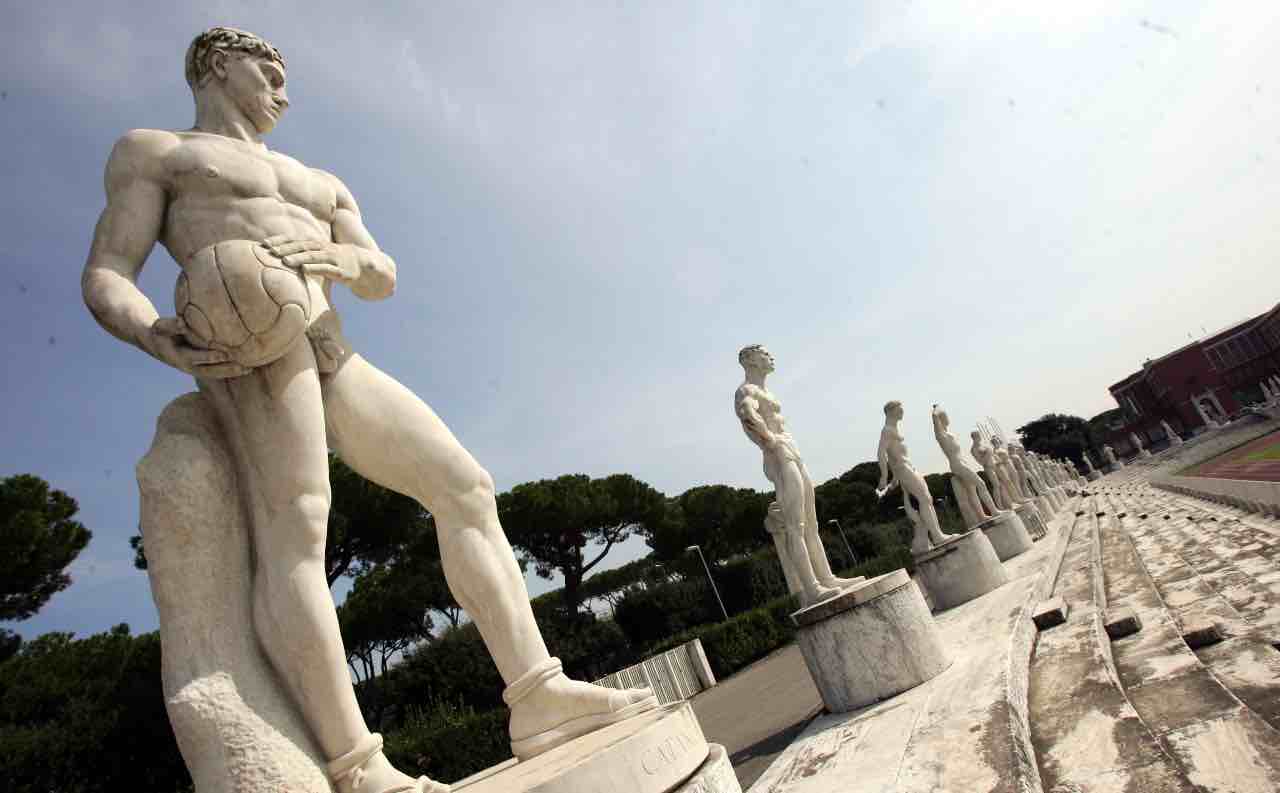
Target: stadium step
(1212, 709)
(1086, 734)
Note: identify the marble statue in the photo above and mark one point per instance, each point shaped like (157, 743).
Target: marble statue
(1011, 478)
(893, 458)
(801, 550)
(983, 452)
(1137, 443)
(1267, 396)
(1088, 461)
(1110, 455)
(1174, 438)
(217, 193)
(1275, 383)
(972, 494)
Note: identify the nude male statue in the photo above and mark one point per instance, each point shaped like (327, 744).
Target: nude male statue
(972, 494)
(893, 458)
(986, 457)
(216, 182)
(760, 413)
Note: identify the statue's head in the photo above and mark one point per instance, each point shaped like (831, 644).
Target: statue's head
(976, 435)
(755, 356)
(943, 418)
(244, 69)
(997, 441)
(893, 410)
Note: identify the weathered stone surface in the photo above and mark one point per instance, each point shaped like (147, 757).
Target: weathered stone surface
(237, 730)
(1050, 613)
(1200, 632)
(1122, 622)
(657, 752)
(715, 776)
(870, 647)
(1007, 533)
(960, 570)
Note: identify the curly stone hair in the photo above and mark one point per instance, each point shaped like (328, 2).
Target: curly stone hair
(229, 40)
(747, 351)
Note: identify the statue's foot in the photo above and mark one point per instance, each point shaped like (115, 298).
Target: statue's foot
(835, 582)
(821, 593)
(548, 709)
(938, 538)
(365, 769)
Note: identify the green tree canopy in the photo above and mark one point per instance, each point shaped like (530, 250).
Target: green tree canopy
(553, 521)
(1057, 435)
(723, 520)
(38, 540)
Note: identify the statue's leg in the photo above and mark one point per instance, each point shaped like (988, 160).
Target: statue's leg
(965, 501)
(920, 538)
(789, 482)
(984, 495)
(928, 515)
(274, 420)
(390, 436)
(813, 538)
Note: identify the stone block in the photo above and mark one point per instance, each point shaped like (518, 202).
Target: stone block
(1200, 631)
(1049, 613)
(1122, 622)
(960, 569)
(870, 643)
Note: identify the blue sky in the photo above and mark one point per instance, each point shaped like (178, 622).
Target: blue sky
(594, 206)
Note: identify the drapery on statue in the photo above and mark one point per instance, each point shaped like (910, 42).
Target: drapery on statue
(234, 213)
(793, 519)
(892, 456)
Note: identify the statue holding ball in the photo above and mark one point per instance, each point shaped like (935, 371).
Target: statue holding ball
(268, 354)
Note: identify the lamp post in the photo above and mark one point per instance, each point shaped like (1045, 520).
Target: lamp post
(709, 578)
(852, 559)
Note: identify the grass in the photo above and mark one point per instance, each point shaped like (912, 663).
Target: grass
(1271, 452)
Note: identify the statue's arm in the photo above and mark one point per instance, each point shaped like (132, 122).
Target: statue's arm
(882, 456)
(748, 408)
(349, 257)
(377, 278)
(126, 232)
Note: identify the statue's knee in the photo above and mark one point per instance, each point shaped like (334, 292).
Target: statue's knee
(472, 499)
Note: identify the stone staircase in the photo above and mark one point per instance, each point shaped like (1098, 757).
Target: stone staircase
(1202, 676)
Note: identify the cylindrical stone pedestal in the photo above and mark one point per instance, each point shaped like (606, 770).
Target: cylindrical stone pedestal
(1032, 519)
(1046, 507)
(870, 643)
(960, 570)
(663, 751)
(1093, 476)
(1007, 533)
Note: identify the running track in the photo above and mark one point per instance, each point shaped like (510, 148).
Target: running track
(1232, 464)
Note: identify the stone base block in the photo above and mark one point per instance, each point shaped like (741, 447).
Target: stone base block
(871, 642)
(658, 752)
(1008, 534)
(1122, 622)
(713, 776)
(1046, 507)
(960, 570)
(1050, 613)
(1093, 476)
(1032, 520)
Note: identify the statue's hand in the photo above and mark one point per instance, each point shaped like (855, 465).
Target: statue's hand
(332, 260)
(167, 340)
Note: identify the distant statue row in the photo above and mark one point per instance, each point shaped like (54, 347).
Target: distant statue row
(1017, 478)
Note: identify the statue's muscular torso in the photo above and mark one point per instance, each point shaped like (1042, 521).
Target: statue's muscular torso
(222, 189)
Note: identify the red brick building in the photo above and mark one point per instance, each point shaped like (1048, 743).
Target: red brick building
(1214, 377)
